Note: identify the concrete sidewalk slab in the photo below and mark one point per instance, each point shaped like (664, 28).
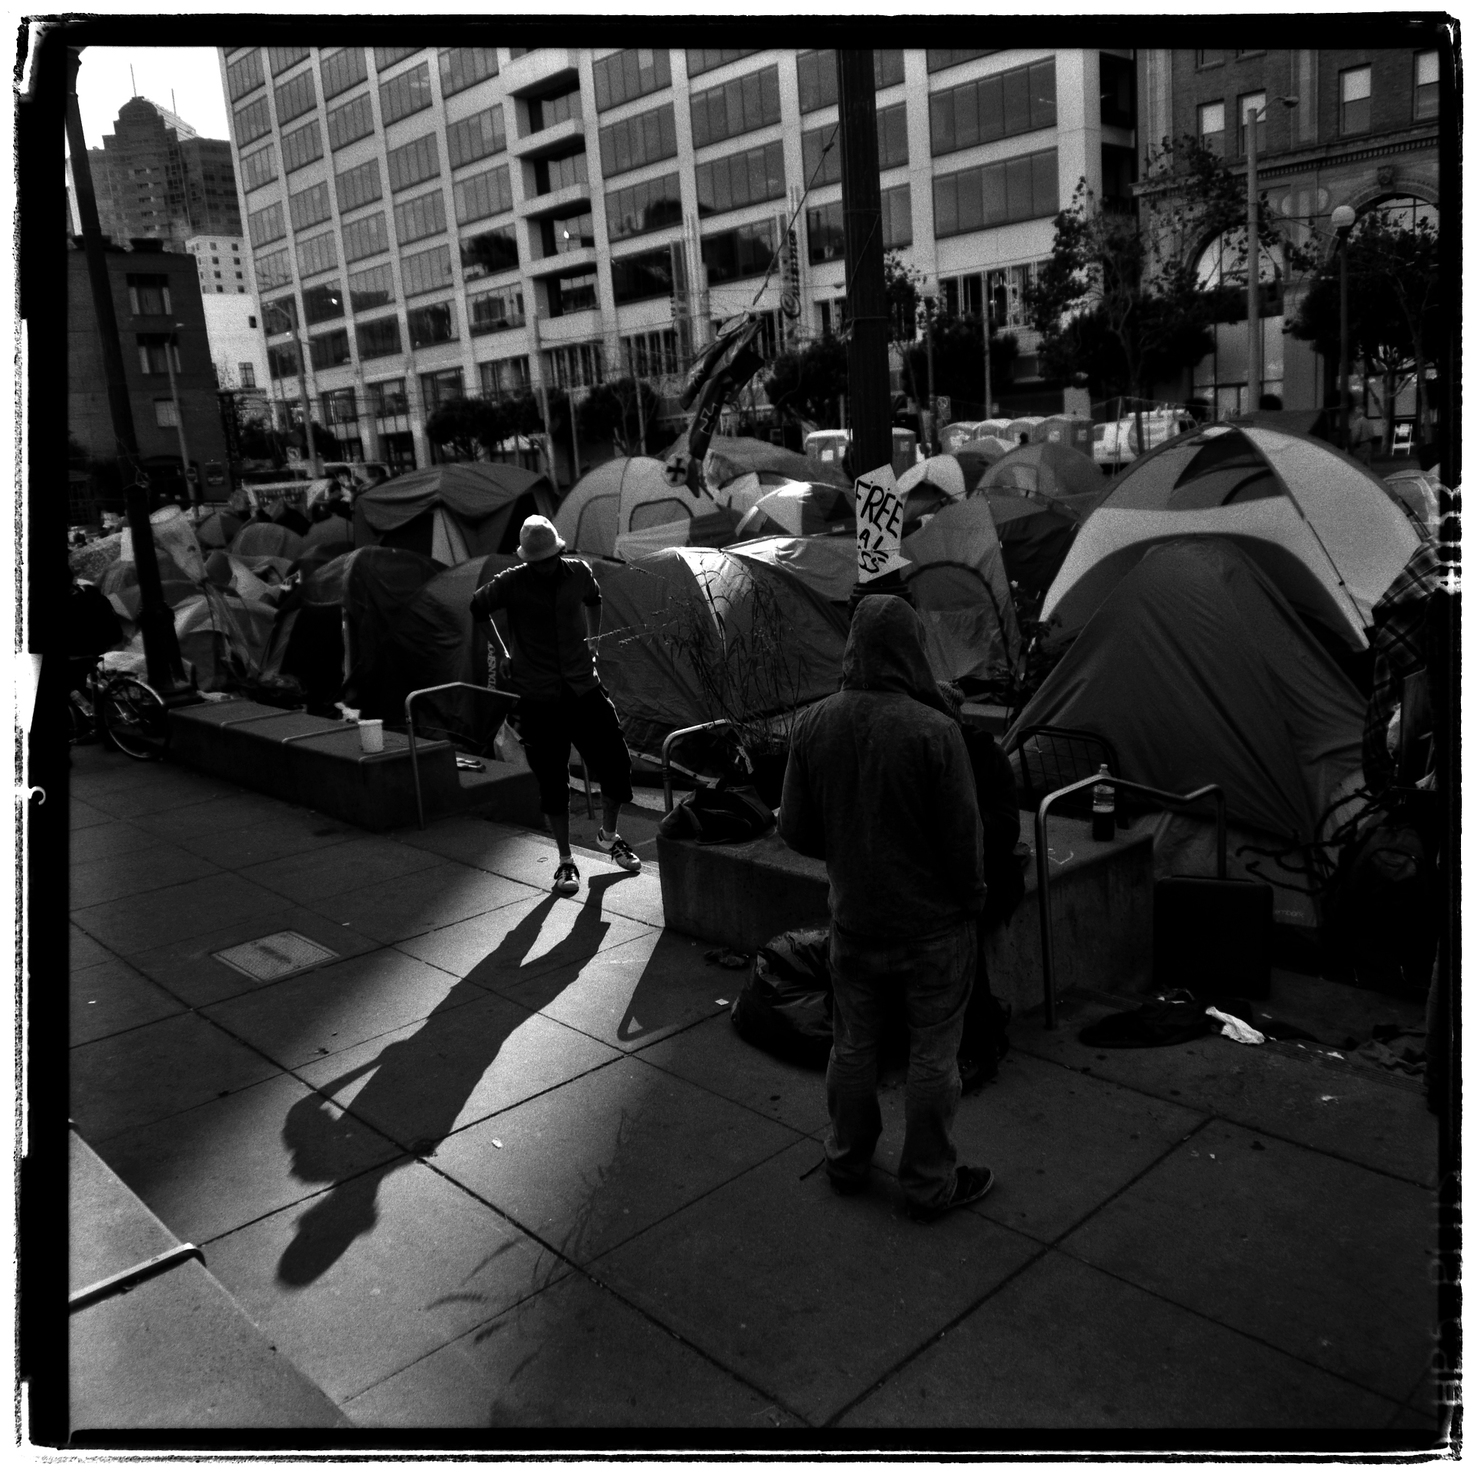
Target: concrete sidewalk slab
(424, 1081)
(366, 1278)
(597, 1160)
(109, 839)
(571, 1357)
(83, 950)
(81, 816)
(1065, 1346)
(156, 792)
(1322, 1259)
(110, 1229)
(288, 836)
(223, 1164)
(98, 880)
(810, 1297)
(201, 818)
(351, 862)
(177, 912)
(112, 997)
(416, 903)
(146, 1074)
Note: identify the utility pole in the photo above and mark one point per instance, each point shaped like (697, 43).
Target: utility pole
(641, 413)
(986, 349)
(314, 465)
(1256, 356)
(1343, 218)
(932, 446)
(156, 621)
(575, 447)
(169, 362)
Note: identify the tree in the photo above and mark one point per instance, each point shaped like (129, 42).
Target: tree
(1396, 311)
(462, 426)
(610, 413)
(959, 370)
(262, 443)
(808, 382)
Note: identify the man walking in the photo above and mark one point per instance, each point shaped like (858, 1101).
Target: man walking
(542, 619)
(879, 785)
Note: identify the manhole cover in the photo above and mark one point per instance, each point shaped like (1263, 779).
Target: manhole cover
(275, 955)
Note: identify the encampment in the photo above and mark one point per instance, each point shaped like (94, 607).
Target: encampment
(1321, 526)
(1035, 534)
(730, 457)
(1045, 468)
(628, 497)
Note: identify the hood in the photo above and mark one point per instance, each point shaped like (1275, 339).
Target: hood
(886, 651)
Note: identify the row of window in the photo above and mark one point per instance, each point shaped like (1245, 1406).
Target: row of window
(817, 76)
(737, 107)
(645, 138)
(1017, 101)
(825, 225)
(822, 165)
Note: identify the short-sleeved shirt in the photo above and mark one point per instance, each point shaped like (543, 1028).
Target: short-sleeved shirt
(546, 624)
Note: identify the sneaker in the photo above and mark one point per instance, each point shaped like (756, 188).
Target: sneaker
(567, 877)
(617, 847)
(972, 1184)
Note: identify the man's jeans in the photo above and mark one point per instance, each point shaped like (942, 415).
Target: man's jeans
(932, 975)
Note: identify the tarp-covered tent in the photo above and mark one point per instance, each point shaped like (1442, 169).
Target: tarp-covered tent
(217, 530)
(729, 458)
(266, 539)
(1045, 468)
(1035, 534)
(798, 508)
(629, 496)
(710, 530)
(1322, 527)
(773, 642)
(453, 511)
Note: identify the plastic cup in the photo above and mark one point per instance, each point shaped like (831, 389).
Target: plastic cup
(372, 735)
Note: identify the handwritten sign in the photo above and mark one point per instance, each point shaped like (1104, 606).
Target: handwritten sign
(880, 509)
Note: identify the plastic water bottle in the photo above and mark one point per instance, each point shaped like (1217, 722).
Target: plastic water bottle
(1102, 827)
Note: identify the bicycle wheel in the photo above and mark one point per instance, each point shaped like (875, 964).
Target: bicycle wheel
(134, 718)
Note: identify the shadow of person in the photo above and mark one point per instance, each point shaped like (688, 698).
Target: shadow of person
(416, 1087)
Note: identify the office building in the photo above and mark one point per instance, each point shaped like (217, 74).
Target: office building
(432, 223)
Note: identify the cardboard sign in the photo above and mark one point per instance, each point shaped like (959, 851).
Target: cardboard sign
(880, 509)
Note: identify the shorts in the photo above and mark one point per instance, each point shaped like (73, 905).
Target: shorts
(549, 727)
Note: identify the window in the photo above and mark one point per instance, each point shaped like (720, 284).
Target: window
(340, 70)
(1117, 91)
(302, 147)
(282, 361)
(280, 316)
(563, 234)
(259, 168)
(424, 216)
(1020, 189)
(642, 139)
(405, 94)
(244, 74)
(252, 122)
(339, 408)
(153, 348)
(501, 309)
(1210, 127)
(647, 275)
(431, 324)
(350, 121)
(740, 179)
(421, 272)
(894, 143)
(899, 228)
(701, 60)
(377, 339)
(936, 61)
(246, 374)
(815, 152)
(558, 174)
(655, 353)
(641, 208)
(460, 67)
(440, 387)
(1245, 103)
(365, 237)
(502, 378)
(483, 195)
(325, 351)
(736, 107)
(148, 295)
(817, 76)
(326, 301)
(476, 137)
(273, 270)
(629, 74)
(388, 397)
(1008, 292)
(280, 58)
(372, 287)
(558, 108)
(317, 254)
(388, 56)
(575, 365)
(412, 163)
(266, 225)
(1017, 101)
(358, 186)
(1356, 100)
(825, 233)
(572, 292)
(1426, 84)
(744, 252)
(1203, 59)
(166, 413)
(295, 98)
(308, 207)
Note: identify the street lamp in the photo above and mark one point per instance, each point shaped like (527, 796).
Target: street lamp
(1343, 218)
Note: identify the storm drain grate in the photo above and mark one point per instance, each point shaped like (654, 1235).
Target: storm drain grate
(275, 955)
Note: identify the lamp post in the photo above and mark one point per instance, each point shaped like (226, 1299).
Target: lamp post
(1256, 357)
(169, 361)
(1343, 218)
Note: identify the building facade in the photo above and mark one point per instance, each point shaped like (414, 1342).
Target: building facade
(429, 223)
(1358, 128)
(224, 264)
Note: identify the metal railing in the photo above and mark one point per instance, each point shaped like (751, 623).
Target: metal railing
(1040, 840)
(440, 688)
(712, 724)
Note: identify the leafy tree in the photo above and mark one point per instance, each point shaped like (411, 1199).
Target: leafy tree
(957, 347)
(808, 382)
(262, 442)
(1396, 309)
(460, 426)
(610, 413)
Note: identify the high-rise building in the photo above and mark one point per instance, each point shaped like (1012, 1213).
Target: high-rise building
(435, 222)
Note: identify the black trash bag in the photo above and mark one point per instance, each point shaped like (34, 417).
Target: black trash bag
(785, 1007)
(719, 814)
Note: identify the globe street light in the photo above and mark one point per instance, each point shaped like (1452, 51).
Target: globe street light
(1343, 218)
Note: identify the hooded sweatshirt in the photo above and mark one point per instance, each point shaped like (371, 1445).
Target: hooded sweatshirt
(879, 785)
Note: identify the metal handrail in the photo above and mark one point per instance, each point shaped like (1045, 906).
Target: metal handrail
(421, 816)
(1040, 839)
(711, 724)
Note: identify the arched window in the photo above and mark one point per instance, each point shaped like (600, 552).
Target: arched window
(1404, 212)
(1221, 264)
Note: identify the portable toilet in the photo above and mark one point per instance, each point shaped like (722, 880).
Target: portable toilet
(827, 446)
(906, 450)
(995, 426)
(957, 434)
(1077, 432)
(1017, 427)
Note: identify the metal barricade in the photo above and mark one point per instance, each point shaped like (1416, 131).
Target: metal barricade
(416, 694)
(1040, 840)
(712, 724)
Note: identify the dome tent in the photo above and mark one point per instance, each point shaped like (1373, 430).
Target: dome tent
(629, 496)
(1045, 468)
(1035, 534)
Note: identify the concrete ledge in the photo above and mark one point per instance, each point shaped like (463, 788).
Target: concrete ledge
(741, 894)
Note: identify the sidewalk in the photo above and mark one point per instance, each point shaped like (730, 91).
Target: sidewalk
(503, 1161)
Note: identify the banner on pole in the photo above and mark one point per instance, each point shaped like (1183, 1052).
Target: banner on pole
(880, 509)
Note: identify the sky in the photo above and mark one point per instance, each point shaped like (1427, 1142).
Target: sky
(194, 72)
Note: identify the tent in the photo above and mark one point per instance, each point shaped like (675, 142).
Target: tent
(453, 511)
(1045, 467)
(730, 457)
(1035, 534)
(1323, 528)
(692, 635)
(627, 496)
(1198, 670)
(334, 529)
(266, 539)
(217, 530)
(798, 508)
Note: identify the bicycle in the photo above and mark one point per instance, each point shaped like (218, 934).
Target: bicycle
(121, 710)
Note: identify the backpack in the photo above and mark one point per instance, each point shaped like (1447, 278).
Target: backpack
(719, 814)
(785, 1007)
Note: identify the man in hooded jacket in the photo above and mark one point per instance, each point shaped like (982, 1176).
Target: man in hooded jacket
(879, 785)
